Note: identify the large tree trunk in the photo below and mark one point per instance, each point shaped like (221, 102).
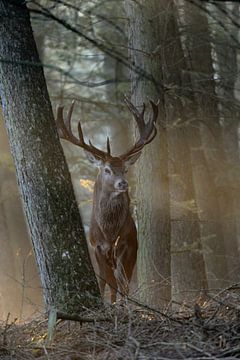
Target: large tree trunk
(56, 230)
(152, 193)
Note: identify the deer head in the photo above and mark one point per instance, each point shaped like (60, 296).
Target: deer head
(112, 169)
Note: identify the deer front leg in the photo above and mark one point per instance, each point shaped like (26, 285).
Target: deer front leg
(125, 257)
(106, 274)
(101, 276)
(122, 280)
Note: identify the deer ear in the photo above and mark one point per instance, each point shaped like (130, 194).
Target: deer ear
(94, 159)
(132, 159)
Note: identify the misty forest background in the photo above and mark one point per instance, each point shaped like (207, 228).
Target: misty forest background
(185, 188)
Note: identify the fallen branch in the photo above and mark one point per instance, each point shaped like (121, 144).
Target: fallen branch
(81, 319)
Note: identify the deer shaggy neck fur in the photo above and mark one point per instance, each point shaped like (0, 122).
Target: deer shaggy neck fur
(111, 211)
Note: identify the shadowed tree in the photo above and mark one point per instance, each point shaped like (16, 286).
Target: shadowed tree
(206, 206)
(186, 246)
(167, 189)
(200, 50)
(227, 89)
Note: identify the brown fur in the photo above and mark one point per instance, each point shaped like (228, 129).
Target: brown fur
(113, 235)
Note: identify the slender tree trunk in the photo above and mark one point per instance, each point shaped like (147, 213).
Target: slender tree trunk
(56, 230)
(208, 210)
(186, 250)
(227, 68)
(152, 193)
(211, 231)
(200, 55)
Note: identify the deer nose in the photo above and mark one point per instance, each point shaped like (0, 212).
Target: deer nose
(122, 184)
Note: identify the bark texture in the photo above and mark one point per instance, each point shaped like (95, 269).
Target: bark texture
(56, 230)
(156, 48)
(152, 191)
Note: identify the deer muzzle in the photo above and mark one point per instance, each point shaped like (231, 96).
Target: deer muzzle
(121, 185)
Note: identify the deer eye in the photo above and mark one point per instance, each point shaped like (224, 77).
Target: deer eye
(107, 171)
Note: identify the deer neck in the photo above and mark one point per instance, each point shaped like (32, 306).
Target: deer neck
(111, 210)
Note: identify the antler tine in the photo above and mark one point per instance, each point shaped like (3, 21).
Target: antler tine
(95, 150)
(151, 125)
(143, 110)
(131, 107)
(59, 120)
(153, 121)
(65, 132)
(69, 115)
(137, 115)
(80, 133)
(153, 135)
(108, 146)
(147, 131)
(155, 110)
(64, 128)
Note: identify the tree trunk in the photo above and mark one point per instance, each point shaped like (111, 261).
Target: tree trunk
(227, 68)
(56, 230)
(208, 211)
(187, 252)
(212, 240)
(200, 55)
(152, 193)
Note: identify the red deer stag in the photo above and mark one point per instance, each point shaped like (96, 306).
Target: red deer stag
(113, 233)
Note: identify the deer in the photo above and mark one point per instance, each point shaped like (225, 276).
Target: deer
(112, 232)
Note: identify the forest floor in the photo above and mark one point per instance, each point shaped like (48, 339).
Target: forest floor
(207, 331)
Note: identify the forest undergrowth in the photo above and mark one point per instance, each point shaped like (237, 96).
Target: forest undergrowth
(210, 329)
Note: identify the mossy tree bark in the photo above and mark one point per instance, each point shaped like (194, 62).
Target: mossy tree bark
(57, 234)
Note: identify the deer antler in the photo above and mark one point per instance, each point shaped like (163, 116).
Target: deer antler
(147, 131)
(65, 132)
